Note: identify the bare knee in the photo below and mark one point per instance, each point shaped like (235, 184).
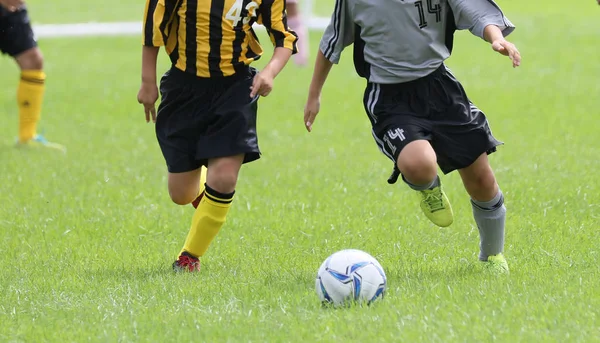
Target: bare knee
(182, 198)
(223, 173)
(418, 163)
(184, 187)
(483, 186)
(31, 59)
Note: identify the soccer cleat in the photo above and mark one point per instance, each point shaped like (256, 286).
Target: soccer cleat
(186, 263)
(436, 207)
(38, 141)
(496, 264)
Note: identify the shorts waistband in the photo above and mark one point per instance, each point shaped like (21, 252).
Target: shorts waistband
(179, 75)
(441, 70)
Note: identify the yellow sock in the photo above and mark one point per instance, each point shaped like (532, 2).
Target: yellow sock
(203, 172)
(207, 221)
(30, 95)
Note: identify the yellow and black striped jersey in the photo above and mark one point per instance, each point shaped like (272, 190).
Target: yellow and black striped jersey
(214, 38)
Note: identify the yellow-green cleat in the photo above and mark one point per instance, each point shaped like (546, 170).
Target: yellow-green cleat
(436, 206)
(38, 141)
(496, 264)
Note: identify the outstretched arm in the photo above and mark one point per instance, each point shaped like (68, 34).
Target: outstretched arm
(273, 16)
(493, 35)
(486, 20)
(338, 35)
(313, 104)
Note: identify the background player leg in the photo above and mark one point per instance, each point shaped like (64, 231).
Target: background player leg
(418, 164)
(296, 23)
(488, 210)
(212, 210)
(30, 96)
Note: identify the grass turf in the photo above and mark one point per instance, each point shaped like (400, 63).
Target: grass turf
(88, 238)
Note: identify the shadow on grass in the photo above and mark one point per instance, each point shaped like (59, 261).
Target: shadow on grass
(140, 273)
(451, 271)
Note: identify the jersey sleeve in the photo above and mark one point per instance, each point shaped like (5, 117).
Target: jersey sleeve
(339, 33)
(158, 16)
(475, 15)
(274, 18)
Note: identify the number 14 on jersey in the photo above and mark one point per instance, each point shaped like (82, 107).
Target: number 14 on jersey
(431, 9)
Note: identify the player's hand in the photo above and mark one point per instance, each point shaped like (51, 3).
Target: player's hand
(147, 96)
(311, 109)
(262, 84)
(12, 5)
(507, 48)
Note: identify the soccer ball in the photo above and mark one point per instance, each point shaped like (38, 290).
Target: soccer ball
(350, 276)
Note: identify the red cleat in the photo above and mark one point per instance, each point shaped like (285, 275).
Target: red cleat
(186, 263)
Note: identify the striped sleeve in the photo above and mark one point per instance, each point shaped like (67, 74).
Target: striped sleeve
(475, 15)
(274, 18)
(154, 16)
(339, 33)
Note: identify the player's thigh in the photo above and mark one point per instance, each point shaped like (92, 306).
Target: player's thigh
(232, 130)
(461, 132)
(393, 136)
(462, 137)
(177, 124)
(16, 34)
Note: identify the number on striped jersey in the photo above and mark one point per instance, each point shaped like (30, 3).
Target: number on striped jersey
(235, 12)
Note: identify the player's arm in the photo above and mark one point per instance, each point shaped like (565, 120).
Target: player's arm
(485, 19)
(152, 39)
(273, 17)
(313, 104)
(338, 35)
(492, 34)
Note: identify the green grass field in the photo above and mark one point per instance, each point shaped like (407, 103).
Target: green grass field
(88, 238)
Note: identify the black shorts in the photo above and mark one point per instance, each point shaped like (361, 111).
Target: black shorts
(16, 34)
(203, 118)
(434, 108)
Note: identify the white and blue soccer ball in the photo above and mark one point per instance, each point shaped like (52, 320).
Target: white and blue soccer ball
(350, 276)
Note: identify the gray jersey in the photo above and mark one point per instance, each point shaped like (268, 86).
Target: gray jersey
(402, 40)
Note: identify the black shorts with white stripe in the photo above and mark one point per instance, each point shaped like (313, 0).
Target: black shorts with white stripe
(433, 108)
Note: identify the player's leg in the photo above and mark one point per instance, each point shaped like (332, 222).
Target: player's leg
(462, 139)
(224, 145)
(417, 162)
(296, 23)
(401, 131)
(30, 93)
(21, 45)
(489, 211)
(211, 213)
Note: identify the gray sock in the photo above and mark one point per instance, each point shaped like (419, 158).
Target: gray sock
(490, 217)
(434, 183)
